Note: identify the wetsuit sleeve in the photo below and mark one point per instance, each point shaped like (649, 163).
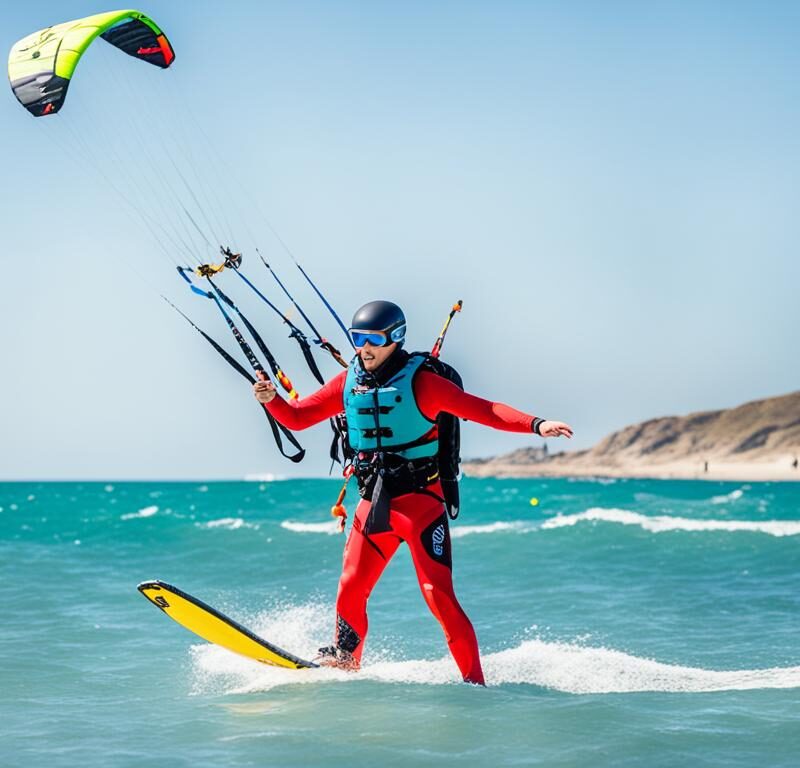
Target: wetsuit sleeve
(304, 412)
(435, 394)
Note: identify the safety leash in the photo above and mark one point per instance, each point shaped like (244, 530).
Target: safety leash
(338, 510)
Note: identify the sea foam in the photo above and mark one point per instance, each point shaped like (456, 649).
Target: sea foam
(329, 527)
(146, 512)
(663, 523)
(231, 523)
(727, 497)
(457, 531)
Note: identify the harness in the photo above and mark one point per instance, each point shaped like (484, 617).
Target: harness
(395, 448)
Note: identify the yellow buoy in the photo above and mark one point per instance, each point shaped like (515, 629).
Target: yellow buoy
(534, 502)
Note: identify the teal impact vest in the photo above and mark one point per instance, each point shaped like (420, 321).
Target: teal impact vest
(386, 417)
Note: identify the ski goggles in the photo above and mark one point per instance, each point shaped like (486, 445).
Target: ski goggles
(377, 338)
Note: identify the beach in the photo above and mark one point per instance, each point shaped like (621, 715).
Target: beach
(778, 469)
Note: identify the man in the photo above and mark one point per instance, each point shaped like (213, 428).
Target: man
(391, 400)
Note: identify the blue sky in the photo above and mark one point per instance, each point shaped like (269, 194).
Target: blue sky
(611, 188)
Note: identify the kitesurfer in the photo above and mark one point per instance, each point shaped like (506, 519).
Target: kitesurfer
(391, 400)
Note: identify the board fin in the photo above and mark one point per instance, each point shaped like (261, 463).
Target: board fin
(211, 625)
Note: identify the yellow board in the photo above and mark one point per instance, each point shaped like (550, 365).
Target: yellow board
(211, 625)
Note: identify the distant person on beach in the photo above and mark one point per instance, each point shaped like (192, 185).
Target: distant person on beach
(391, 400)
(794, 463)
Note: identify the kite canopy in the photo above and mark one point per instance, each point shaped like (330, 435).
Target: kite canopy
(41, 65)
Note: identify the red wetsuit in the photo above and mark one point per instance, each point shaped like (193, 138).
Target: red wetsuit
(418, 519)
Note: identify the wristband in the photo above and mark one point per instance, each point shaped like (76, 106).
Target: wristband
(536, 426)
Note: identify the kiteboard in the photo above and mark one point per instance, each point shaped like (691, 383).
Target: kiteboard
(211, 625)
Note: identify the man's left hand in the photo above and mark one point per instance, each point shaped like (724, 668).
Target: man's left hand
(555, 429)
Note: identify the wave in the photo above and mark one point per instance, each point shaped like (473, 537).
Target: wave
(652, 523)
(597, 479)
(329, 527)
(231, 523)
(725, 498)
(146, 512)
(567, 667)
(663, 523)
(457, 531)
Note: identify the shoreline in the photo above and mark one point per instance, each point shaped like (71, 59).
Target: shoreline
(778, 470)
(775, 469)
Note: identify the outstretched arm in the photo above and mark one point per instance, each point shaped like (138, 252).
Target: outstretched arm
(435, 394)
(302, 413)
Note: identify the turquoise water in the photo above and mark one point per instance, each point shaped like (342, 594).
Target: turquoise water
(623, 623)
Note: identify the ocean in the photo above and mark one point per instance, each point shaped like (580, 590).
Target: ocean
(622, 623)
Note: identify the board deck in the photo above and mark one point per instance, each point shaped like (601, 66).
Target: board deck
(215, 627)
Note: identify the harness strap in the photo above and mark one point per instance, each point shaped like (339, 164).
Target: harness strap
(371, 542)
(378, 519)
(436, 496)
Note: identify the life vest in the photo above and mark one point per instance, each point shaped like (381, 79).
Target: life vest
(384, 417)
(387, 431)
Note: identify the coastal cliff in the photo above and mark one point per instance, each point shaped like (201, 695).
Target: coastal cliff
(759, 440)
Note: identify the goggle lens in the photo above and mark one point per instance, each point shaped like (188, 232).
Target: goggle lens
(360, 338)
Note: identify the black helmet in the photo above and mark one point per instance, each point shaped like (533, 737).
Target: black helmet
(380, 317)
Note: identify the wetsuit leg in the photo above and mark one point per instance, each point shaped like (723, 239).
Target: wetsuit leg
(430, 551)
(364, 561)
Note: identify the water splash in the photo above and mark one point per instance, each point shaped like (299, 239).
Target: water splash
(568, 667)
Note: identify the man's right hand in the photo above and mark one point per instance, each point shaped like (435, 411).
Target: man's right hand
(264, 391)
